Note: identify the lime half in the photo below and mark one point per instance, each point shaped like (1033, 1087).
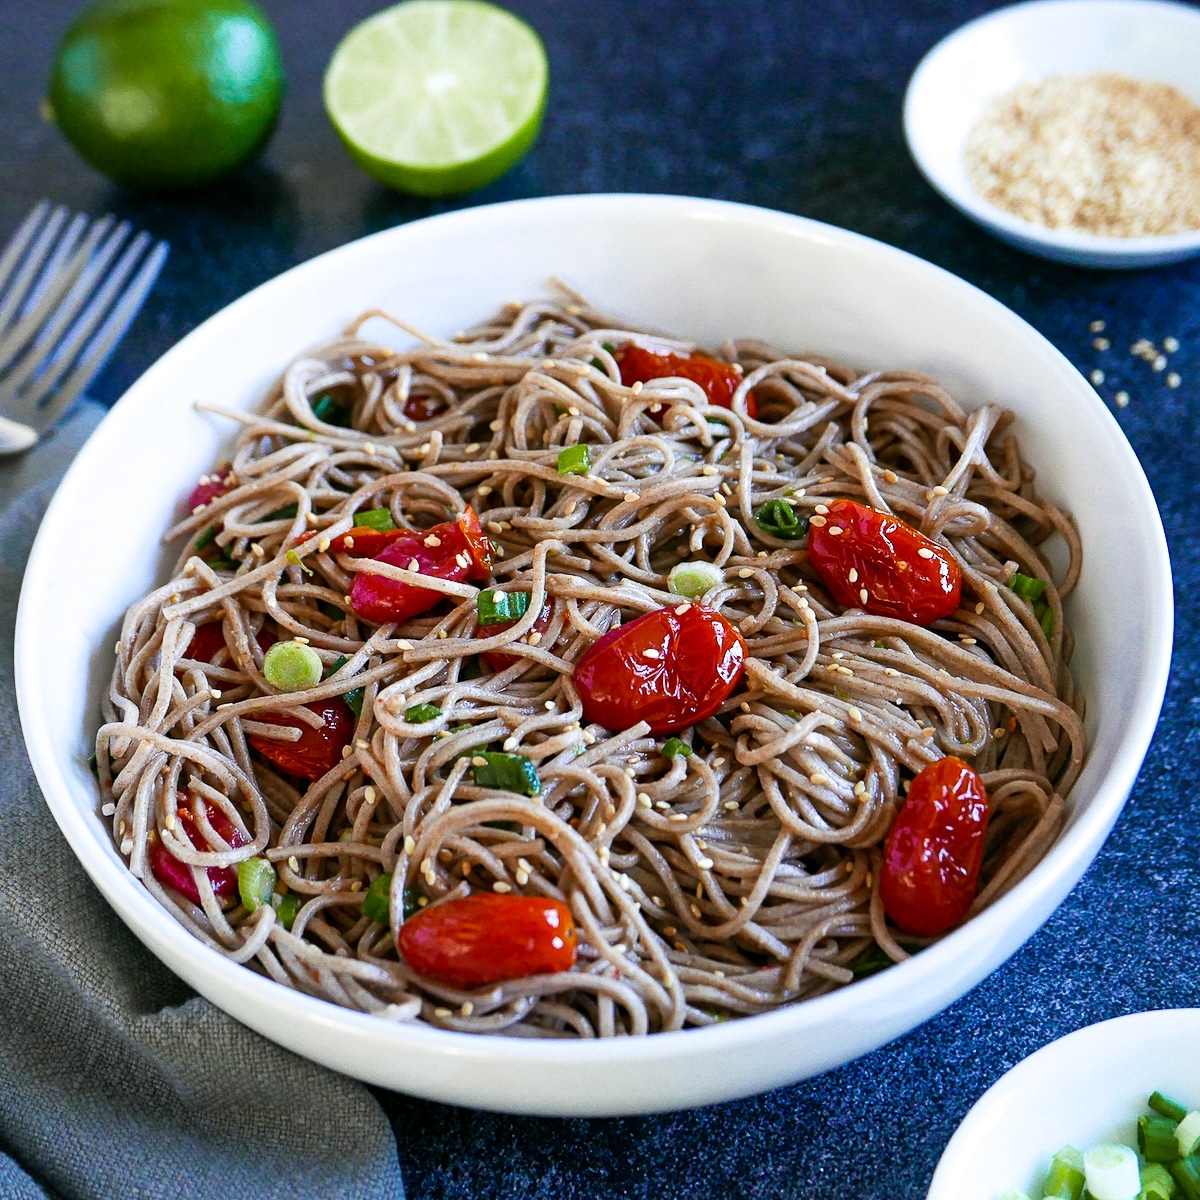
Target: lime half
(438, 96)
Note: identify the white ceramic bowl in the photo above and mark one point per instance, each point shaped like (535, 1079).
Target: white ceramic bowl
(708, 270)
(1086, 1088)
(1145, 39)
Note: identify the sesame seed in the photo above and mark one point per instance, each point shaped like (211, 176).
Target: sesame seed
(349, 543)
(410, 844)
(1097, 377)
(1121, 399)
(817, 778)
(1174, 379)
(414, 565)
(294, 863)
(891, 671)
(494, 425)
(718, 762)
(643, 799)
(859, 790)
(855, 714)
(637, 388)
(403, 643)
(259, 552)
(650, 652)
(695, 909)
(979, 607)
(705, 864)
(730, 806)
(1101, 343)
(677, 817)
(745, 573)
(1170, 344)
(925, 552)
(719, 499)
(368, 447)
(999, 732)
(303, 641)
(110, 808)
(836, 530)
(550, 706)
(941, 491)
(1097, 327)
(822, 509)
(522, 878)
(708, 470)
(479, 356)
(484, 489)
(853, 576)
(433, 540)
(863, 595)
(630, 497)
(441, 1012)
(127, 846)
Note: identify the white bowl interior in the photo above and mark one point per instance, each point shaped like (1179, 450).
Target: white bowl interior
(1086, 1088)
(1152, 40)
(708, 270)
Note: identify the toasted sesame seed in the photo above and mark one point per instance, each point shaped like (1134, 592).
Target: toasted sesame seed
(855, 714)
(863, 595)
(349, 543)
(1174, 379)
(966, 641)
(303, 641)
(709, 469)
(941, 491)
(650, 652)
(860, 789)
(720, 500)
(925, 552)
(822, 509)
(705, 864)
(730, 806)
(479, 761)
(410, 843)
(1097, 377)
(745, 573)
(1121, 399)
(677, 817)
(817, 521)
(630, 497)
(999, 732)
(836, 530)
(853, 575)
(1170, 344)
(979, 607)
(817, 778)
(643, 799)
(294, 863)
(403, 643)
(442, 1012)
(414, 565)
(550, 706)
(637, 388)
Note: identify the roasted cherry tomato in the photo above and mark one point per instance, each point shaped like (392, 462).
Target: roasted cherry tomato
(486, 938)
(672, 668)
(422, 407)
(875, 562)
(317, 750)
(456, 550)
(208, 489)
(361, 541)
(933, 851)
(172, 873)
(210, 637)
(497, 659)
(718, 379)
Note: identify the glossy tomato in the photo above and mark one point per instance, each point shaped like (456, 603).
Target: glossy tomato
(317, 750)
(671, 668)
(718, 379)
(422, 407)
(172, 873)
(497, 659)
(210, 637)
(487, 938)
(933, 851)
(208, 489)
(455, 550)
(876, 562)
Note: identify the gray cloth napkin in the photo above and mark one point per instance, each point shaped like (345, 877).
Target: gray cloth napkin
(115, 1079)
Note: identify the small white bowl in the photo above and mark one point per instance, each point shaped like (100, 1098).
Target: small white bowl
(1086, 1088)
(1151, 40)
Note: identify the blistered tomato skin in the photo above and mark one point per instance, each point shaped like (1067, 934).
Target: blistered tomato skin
(318, 750)
(440, 552)
(485, 938)
(672, 668)
(718, 379)
(497, 660)
(172, 873)
(875, 562)
(206, 492)
(933, 852)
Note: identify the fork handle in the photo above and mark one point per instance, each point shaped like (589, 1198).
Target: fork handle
(15, 437)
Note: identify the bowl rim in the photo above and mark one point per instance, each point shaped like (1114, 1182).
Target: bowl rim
(1157, 247)
(1057, 871)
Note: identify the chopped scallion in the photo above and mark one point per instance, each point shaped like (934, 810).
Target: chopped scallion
(335, 666)
(354, 699)
(1111, 1171)
(377, 899)
(287, 908)
(498, 608)
(292, 667)
(675, 747)
(297, 561)
(693, 579)
(327, 409)
(1156, 1139)
(256, 882)
(1186, 1173)
(508, 772)
(286, 513)
(1187, 1135)
(1157, 1183)
(870, 962)
(1027, 587)
(1166, 1107)
(418, 714)
(1066, 1175)
(206, 537)
(376, 518)
(778, 518)
(574, 460)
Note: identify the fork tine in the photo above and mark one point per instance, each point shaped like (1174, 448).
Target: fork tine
(20, 240)
(96, 353)
(54, 264)
(30, 269)
(50, 315)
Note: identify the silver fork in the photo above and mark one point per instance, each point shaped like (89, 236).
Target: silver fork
(69, 288)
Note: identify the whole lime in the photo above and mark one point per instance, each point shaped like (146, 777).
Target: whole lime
(167, 93)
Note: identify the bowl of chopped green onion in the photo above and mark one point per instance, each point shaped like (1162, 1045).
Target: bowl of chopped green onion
(1110, 1112)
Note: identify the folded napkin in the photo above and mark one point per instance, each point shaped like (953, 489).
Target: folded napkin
(116, 1080)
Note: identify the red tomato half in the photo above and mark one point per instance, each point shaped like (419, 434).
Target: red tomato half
(671, 668)
(210, 637)
(876, 562)
(487, 938)
(439, 552)
(206, 492)
(172, 873)
(317, 750)
(933, 851)
(718, 379)
(497, 659)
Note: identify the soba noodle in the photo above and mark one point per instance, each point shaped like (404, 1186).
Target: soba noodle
(722, 884)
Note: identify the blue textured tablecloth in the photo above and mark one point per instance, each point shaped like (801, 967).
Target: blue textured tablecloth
(797, 107)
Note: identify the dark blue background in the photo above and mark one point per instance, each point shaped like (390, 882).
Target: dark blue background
(797, 107)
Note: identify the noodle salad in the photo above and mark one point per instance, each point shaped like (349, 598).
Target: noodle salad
(561, 679)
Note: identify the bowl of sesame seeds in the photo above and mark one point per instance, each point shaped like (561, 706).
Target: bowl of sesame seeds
(1068, 128)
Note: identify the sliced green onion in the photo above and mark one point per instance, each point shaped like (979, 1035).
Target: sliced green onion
(881, 645)
(1156, 1139)
(287, 512)
(334, 667)
(327, 409)
(287, 908)
(377, 899)
(1166, 1107)
(693, 579)
(376, 518)
(870, 962)
(1157, 1183)
(1112, 1172)
(1186, 1173)
(508, 772)
(1066, 1176)
(1045, 618)
(574, 460)
(778, 518)
(412, 902)
(206, 537)
(498, 608)
(292, 666)
(1027, 587)
(1187, 1134)
(675, 747)
(354, 699)
(222, 563)
(330, 610)
(256, 882)
(297, 561)
(418, 714)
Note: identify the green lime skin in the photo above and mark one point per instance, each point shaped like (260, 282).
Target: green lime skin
(167, 94)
